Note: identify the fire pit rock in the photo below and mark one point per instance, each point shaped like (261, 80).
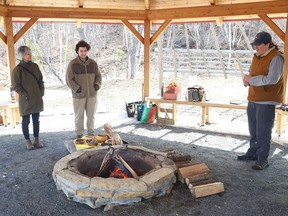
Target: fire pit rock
(76, 176)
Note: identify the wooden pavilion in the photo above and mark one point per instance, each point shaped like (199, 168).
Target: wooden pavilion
(146, 12)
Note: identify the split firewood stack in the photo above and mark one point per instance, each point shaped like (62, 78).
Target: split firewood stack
(197, 176)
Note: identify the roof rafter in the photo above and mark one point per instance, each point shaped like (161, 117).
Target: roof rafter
(147, 4)
(81, 3)
(212, 2)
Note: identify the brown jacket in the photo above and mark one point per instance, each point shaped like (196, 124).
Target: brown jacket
(84, 75)
(29, 89)
(260, 66)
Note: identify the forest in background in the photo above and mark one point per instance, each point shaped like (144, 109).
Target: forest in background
(118, 53)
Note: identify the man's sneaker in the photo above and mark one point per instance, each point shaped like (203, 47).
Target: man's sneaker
(260, 165)
(246, 157)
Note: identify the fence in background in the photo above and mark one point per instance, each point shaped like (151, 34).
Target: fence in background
(206, 61)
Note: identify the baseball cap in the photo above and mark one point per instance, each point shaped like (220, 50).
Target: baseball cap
(262, 37)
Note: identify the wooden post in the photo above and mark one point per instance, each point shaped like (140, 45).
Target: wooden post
(147, 58)
(10, 45)
(160, 61)
(285, 70)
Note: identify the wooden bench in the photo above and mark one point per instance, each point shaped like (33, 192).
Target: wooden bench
(281, 117)
(171, 113)
(14, 113)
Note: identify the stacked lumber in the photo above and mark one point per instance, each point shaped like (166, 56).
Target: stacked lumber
(197, 176)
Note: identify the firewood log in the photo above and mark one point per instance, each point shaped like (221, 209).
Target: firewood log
(133, 173)
(193, 170)
(180, 157)
(197, 178)
(184, 164)
(207, 189)
(203, 182)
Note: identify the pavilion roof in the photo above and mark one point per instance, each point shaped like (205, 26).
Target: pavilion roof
(136, 11)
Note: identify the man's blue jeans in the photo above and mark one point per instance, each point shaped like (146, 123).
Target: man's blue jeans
(260, 120)
(26, 122)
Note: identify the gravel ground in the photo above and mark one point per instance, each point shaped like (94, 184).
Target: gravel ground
(27, 187)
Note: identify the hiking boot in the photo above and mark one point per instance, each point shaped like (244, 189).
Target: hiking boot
(79, 136)
(37, 143)
(29, 145)
(260, 165)
(246, 157)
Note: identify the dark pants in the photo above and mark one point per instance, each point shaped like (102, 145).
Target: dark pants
(260, 120)
(26, 122)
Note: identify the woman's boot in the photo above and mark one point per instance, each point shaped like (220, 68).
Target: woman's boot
(29, 144)
(37, 143)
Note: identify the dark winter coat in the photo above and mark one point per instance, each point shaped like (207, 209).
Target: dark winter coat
(29, 89)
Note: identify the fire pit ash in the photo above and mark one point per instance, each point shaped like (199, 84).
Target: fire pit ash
(114, 176)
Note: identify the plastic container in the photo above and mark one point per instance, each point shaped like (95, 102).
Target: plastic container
(172, 93)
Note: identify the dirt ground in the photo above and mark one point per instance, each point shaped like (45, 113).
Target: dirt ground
(27, 187)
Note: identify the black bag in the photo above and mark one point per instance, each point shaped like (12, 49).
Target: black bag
(131, 108)
(196, 94)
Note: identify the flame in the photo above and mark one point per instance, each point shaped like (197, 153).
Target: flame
(118, 173)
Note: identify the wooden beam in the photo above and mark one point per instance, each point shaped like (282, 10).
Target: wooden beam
(285, 70)
(147, 30)
(160, 30)
(147, 4)
(76, 13)
(3, 10)
(268, 7)
(24, 29)
(273, 26)
(10, 45)
(133, 30)
(3, 38)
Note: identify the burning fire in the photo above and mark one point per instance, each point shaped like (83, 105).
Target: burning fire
(118, 173)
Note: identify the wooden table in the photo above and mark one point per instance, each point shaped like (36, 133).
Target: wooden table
(205, 106)
(14, 113)
(171, 114)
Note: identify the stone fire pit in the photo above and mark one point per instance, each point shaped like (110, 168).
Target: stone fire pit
(76, 176)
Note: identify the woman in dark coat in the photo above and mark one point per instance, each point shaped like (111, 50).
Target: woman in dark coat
(27, 81)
